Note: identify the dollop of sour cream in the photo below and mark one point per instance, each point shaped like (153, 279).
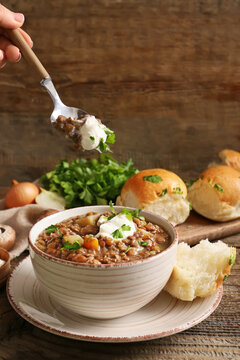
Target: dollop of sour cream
(119, 222)
(92, 131)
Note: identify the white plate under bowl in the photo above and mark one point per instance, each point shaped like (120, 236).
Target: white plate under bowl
(164, 316)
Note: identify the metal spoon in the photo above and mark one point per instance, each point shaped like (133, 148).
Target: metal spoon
(46, 81)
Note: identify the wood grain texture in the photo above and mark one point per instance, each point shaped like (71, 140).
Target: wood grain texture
(165, 75)
(215, 337)
(196, 228)
(168, 69)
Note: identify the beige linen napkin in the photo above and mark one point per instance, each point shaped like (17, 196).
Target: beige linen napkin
(21, 219)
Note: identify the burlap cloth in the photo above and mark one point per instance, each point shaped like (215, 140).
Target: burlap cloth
(21, 219)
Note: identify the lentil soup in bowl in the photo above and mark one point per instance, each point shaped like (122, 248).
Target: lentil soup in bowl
(103, 262)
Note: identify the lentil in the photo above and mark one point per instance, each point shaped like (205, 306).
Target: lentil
(148, 240)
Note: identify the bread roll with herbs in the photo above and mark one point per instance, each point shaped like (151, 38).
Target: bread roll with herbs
(200, 270)
(230, 158)
(216, 193)
(159, 191)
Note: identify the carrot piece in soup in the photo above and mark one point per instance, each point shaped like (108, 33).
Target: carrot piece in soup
(91, 243)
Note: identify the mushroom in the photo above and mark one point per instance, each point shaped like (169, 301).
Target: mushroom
(7, 237)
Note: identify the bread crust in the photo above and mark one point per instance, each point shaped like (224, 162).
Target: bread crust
(230, 158)
(147, 192)
(216, 194)
(228, 178)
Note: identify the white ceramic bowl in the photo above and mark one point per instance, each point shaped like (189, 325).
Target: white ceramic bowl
(102, 291)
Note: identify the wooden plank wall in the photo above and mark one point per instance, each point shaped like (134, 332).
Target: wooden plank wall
(165, 75)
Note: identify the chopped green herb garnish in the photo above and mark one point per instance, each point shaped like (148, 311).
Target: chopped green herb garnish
(111, 139)
(218, 187)
(132, 213)
(129, 247)
(135, 213)
(125, 227)
(102, 146)
(232, 259)
(117, 234)
(153, 178)
(190, 206)
(92, 138)
(108, 131)
(163, 192)
(143, 243)
(110, 135)
(225, 278)
(111, 204)
(189, 226)
(110, 217)
(177, 190)
(127, 213)
(52, 228)
(67, 245)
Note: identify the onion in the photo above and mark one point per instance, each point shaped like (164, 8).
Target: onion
(21, 194)
(51, 200)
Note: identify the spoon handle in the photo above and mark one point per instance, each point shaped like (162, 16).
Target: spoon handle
(18, 40)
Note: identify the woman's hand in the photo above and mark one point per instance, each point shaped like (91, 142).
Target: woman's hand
(10, 20)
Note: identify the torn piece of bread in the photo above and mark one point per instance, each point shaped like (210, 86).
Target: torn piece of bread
(159, 191)
(216, 193)
(230, 158)
(200, 270)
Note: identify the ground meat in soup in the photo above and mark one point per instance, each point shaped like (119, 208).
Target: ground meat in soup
(80, 240)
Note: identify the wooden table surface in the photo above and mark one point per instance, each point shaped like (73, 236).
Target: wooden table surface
(165, 76)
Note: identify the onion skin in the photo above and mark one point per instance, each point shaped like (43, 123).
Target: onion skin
(7, 237)
(21, 194)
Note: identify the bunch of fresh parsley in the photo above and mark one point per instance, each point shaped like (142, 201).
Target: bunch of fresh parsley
(89, 182)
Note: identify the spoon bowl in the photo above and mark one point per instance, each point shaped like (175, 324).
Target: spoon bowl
(59, 107)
